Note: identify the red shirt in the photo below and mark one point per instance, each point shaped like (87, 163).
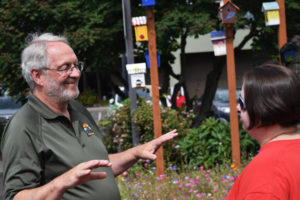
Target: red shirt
(273, 174)
(180, 101)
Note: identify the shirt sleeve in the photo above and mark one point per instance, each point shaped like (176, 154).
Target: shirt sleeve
(21, 165)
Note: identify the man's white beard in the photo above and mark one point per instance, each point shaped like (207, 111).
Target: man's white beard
(57, 90)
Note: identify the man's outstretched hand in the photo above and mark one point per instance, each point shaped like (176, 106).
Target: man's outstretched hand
(147, 150)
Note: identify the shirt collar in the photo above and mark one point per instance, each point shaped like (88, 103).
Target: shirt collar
(43, 109)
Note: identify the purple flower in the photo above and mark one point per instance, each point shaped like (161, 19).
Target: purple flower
(188, 185)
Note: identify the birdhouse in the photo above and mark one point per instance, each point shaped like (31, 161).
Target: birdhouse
(146, 54)
(218, 39)
(229, 12)
(137, 74)
(148, 2)
(288, 53)
(271, 12)
(140, 28)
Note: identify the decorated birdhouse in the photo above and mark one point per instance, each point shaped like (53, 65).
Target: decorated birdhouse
(148, 2)
(137, 74)
(271, 12)
(229, 12)
(146, 54)
(288, 53)
(218, 39)
(140, 28)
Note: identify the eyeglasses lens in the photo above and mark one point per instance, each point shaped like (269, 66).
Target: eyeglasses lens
(242, 103)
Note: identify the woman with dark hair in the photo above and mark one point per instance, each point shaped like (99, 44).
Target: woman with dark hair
(270, 111)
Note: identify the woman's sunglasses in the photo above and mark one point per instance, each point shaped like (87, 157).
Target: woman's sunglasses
(242, 104)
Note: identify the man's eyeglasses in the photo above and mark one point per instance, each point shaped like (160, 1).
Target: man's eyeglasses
(67, 68)
(242, 104)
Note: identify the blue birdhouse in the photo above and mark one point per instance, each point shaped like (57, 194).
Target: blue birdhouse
(148, 60)
(288, 53)
(148, 2)
(229, 12)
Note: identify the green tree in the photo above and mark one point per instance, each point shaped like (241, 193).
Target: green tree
(94, 30)
(179, 19)
(265, 39)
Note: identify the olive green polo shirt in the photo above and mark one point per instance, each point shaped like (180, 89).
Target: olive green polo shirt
(39, 145)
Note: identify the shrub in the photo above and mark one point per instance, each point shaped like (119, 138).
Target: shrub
(118, 129)
(210, 144)
(118, 126)
(88, 98)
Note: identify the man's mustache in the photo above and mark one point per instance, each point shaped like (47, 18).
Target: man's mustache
(71, 80)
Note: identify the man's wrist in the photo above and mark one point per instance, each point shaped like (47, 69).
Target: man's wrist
(57, 186)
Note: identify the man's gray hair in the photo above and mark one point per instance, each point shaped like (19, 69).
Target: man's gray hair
(34, 54)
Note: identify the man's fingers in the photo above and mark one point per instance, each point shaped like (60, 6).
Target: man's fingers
(150, 156)
(166, 137)
(97, 175)
(95, 164)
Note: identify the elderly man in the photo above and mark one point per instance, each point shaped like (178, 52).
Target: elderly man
(52, 148)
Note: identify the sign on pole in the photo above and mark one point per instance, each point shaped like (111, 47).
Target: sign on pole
(137, 73)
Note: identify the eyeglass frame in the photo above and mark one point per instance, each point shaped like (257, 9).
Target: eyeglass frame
(242, 103)
(79, 65)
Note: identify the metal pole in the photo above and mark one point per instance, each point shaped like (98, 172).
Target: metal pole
(130, 60)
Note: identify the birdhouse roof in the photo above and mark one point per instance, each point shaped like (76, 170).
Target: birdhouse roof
(270, 6)
(215, 35)
(138, 21)
(229, 3)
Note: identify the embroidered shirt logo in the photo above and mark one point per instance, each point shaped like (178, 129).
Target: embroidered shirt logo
(87, 129)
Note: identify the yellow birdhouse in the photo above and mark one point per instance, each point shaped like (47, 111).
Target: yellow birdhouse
(141, 33)
(140, 28)
(271, 11)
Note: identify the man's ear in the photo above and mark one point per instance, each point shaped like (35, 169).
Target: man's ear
(37, 76)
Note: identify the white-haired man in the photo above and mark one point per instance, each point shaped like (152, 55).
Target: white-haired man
(52, 148)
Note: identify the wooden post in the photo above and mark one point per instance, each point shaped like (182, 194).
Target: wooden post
(154, 85)
(282, 36)
(234, 126)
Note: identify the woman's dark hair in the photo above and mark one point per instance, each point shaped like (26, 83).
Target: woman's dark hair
(272, 96)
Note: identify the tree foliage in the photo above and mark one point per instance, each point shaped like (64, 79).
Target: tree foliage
(95, 31)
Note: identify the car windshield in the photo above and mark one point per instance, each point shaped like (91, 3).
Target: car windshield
(6, 102)
(141, 92)
(223, 95)
(144, 93)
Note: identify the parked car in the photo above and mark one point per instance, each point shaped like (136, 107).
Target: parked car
(8, 107)
(117, 100)
(220, 107)
(142, 92)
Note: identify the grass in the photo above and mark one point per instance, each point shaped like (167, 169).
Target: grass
(141, 182)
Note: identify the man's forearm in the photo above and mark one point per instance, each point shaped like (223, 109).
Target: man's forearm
(55, 189)
(49, 191)
(122, 161)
